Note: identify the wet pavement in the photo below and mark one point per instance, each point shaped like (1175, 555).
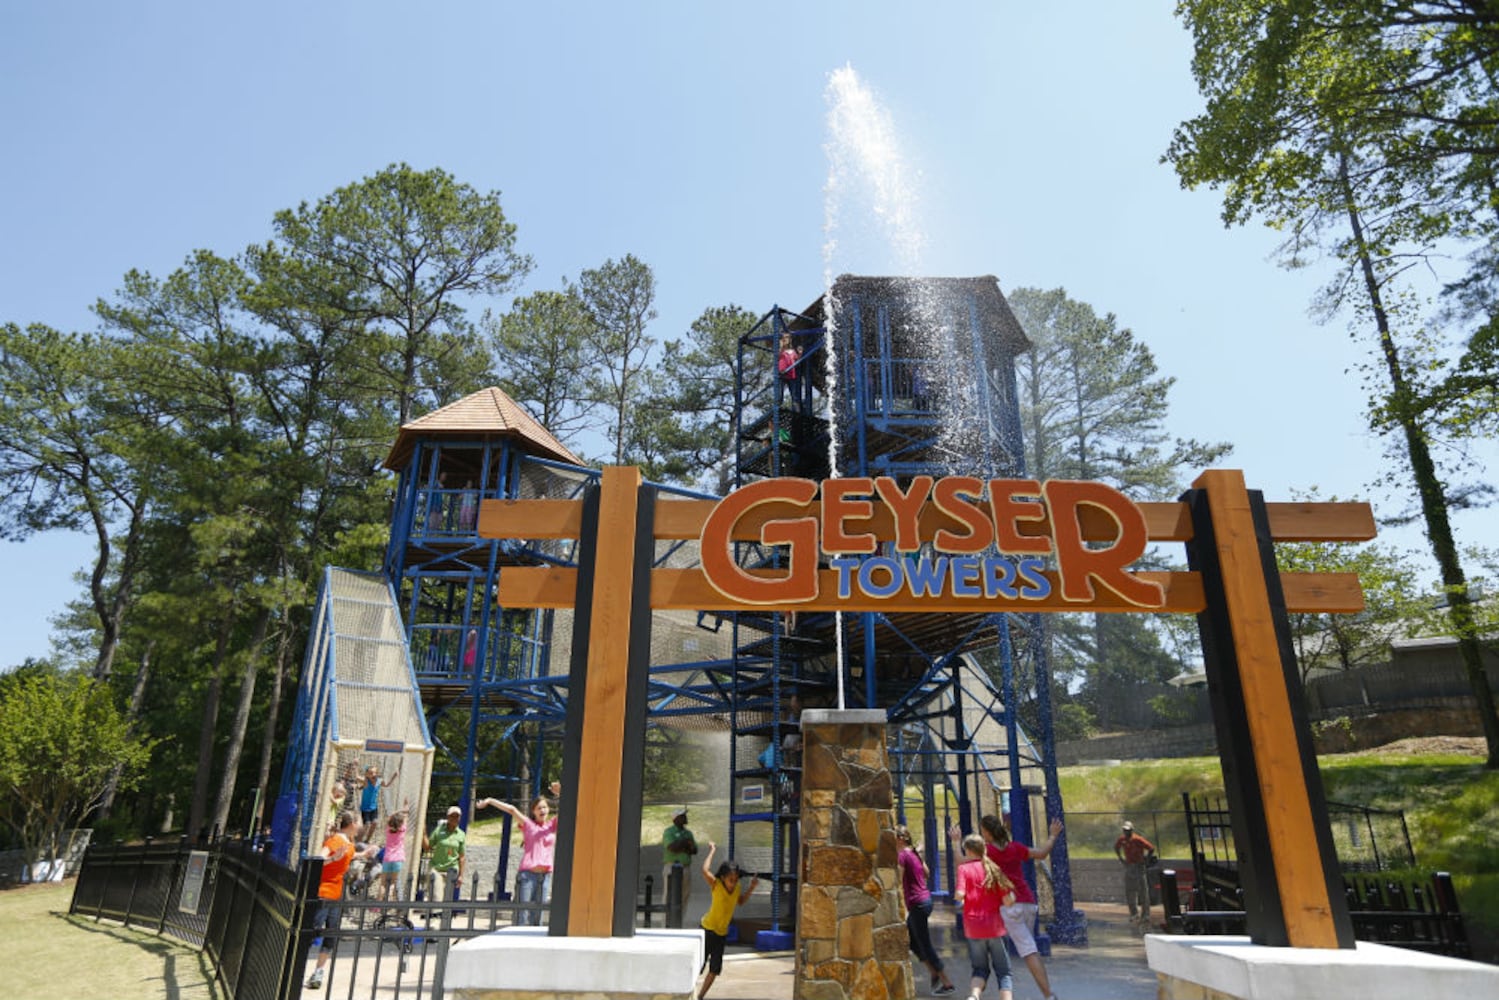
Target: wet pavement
(1111, 966)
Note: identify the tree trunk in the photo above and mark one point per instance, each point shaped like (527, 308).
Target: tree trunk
(109, 607)
(1434, 507)
(198, 809)
(133, 713)
(241, 723)
(272, 716)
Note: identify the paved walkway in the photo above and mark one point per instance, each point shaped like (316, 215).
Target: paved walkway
(1110, 967)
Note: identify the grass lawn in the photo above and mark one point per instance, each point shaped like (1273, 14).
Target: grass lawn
(55, 955)
(1451, 806)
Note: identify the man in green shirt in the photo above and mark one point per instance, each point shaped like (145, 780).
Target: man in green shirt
(677, 848)
(446, 844)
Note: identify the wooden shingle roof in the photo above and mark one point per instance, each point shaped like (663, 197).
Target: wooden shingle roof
(994, 310)
(487, 413)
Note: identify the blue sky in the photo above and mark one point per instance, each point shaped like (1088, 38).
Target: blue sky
(691, 135)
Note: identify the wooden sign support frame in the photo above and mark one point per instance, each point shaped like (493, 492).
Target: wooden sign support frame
(1292, 885)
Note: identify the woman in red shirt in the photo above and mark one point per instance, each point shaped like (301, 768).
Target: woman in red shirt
(1020, 916)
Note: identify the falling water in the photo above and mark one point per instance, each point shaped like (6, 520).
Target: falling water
(870, 224)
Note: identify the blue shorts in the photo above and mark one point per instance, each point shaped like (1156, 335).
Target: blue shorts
(327, 919)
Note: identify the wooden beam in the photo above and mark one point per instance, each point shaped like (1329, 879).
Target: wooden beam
(539, 519)
(596, 825)
(1254, 654)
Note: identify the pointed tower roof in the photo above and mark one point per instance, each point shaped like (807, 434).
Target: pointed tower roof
(488, 412)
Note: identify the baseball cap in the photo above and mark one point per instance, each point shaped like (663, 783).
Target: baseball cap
(454, 811)
(680, 813)
(1128, 825)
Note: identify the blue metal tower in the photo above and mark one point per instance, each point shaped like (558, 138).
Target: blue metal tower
(883, 377)
(893, 377)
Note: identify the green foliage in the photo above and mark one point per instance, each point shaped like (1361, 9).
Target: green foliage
(690, 409)
(620, 299)
(1094, 406)
(1342, 724)
(1073, 721)
(406, 246)
(1366, 131)
(543, 364)
(1394, 606)
(1172, 708)
(1093, 403)
(60, 739)
(674, 770)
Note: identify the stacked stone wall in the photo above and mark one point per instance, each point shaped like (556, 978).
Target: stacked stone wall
(851, 939)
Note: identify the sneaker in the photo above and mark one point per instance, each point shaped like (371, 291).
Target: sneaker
(943, 991)
(316, 982)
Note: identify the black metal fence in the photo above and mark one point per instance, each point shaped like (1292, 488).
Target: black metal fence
(1388, 903)
(236, 903)
(1407, 912)
(141, 886)
(253, 918)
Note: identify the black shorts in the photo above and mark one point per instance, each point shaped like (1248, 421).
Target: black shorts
(713, 945)
(327, 919)
(368, 816)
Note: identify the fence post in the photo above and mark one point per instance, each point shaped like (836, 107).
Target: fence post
(1446, 894)
(1171, 901)
(299, 936)
(650, 884)
(674, 896)
(135, 881)
(254, 917)
(440, 967)
(114, 860)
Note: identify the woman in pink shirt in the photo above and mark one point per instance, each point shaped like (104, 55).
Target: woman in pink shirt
(913, 876)
(1020, 916)
(982, 889)
(533, 882)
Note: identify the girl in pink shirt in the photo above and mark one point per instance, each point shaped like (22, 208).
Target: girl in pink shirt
(913, 876)
(393, 858)
(533, 882)
(982, 889)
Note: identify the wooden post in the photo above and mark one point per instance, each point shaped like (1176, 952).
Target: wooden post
(1288, 866)
(597, 861)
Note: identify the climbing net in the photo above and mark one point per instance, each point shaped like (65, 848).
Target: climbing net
(361, 716)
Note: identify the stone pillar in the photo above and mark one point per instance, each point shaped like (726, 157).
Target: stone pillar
(851, 939)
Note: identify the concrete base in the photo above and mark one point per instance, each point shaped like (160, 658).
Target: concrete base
(1205, 967)
(526, 963)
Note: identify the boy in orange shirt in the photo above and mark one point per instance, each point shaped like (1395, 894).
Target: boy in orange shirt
(337, 852)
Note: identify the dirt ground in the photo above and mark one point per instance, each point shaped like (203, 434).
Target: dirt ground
(1467, 746)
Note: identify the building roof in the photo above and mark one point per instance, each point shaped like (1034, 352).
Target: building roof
(487, 413)
(994, 311)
